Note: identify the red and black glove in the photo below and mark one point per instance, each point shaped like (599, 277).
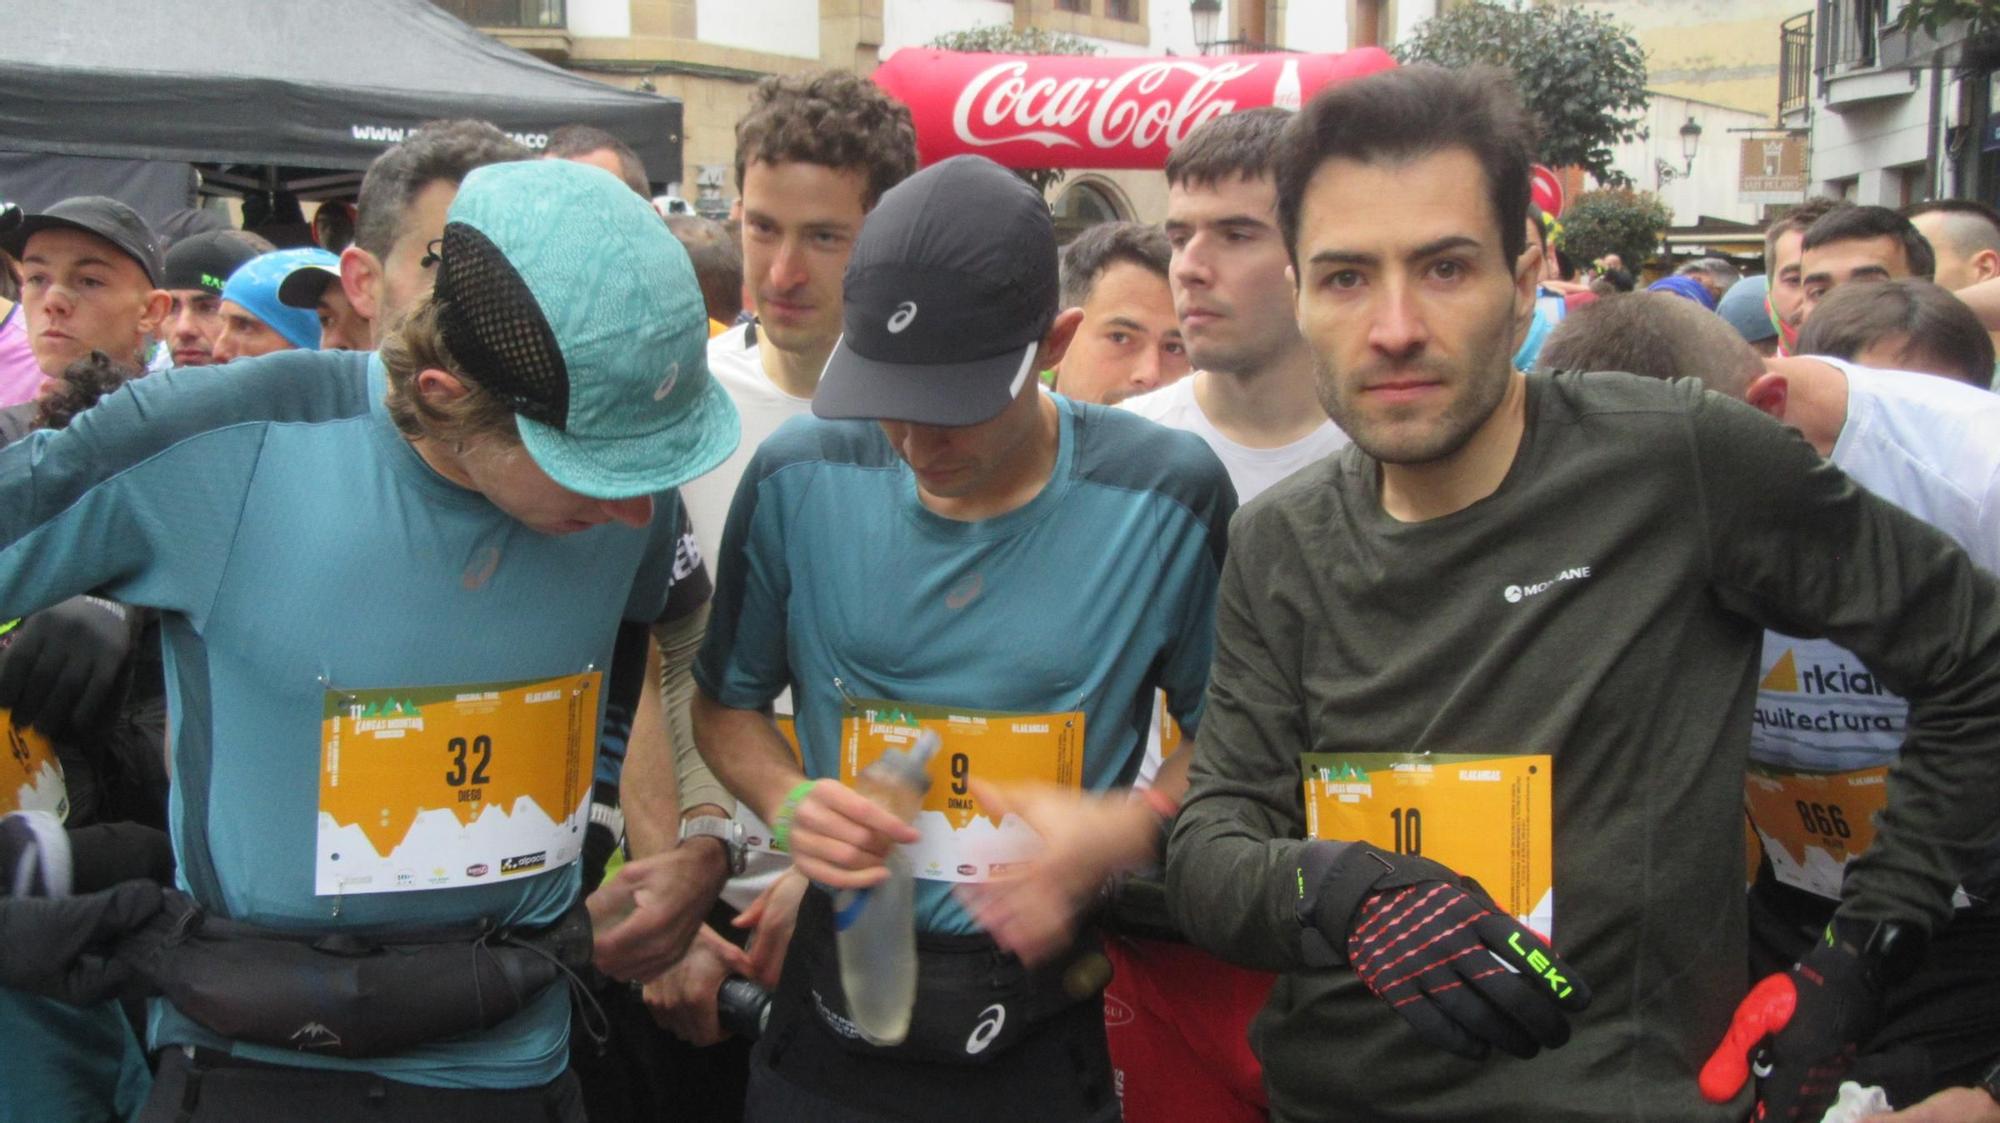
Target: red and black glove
(1800, 1031)
(1435, 947)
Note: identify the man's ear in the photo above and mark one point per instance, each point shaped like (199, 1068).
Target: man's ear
(361, 280)
(158, 303)
(1985, 265)
(1527, 285)
(1065, 328)
(440, 387)
(1056, 344)
(1769, 392)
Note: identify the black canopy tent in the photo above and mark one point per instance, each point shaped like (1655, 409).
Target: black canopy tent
(317, 90)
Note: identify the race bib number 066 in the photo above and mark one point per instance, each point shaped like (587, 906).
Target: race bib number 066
(1486, 817)
(432, 787)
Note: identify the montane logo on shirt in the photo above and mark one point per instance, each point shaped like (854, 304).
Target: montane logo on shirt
(1515, 594)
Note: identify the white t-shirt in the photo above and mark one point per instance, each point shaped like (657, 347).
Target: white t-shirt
(1251, 471)
(762, 407)
(1931, 446)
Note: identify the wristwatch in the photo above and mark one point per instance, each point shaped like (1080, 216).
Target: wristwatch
(729, 832)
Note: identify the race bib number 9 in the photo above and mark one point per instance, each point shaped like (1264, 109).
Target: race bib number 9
(31, 778)
(1487, 817)
(433, 787)
(961, 840)
(1813, 823)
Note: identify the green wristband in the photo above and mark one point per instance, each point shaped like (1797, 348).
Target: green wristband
(781, 827)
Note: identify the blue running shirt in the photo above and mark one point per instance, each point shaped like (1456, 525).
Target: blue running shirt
(1087, 598)
(295, 543)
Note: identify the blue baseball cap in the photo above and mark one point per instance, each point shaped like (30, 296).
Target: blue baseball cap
(561, 291)
(1743, 306)
(255, 286)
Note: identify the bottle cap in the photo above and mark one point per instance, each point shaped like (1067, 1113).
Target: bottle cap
(909, 767)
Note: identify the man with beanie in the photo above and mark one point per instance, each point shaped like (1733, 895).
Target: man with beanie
(1747, 307)
(254, 321)
(197, 268)
(890, 559)
(389, 585)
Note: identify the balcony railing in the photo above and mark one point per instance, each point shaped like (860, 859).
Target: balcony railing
(508, 13)
(1795, 69)
(1240, 46)
(1849, 34)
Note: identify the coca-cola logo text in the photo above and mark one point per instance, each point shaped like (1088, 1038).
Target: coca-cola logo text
(1000, 105)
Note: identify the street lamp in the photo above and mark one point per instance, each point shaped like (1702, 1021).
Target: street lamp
(1690, 140)
(1207, 14)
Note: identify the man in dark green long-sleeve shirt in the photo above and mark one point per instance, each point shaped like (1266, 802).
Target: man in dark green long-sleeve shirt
(1556, 587)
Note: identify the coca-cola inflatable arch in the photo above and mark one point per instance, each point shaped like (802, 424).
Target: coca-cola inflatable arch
(1059, 111)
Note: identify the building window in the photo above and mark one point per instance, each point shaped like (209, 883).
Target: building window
(1126, 11)
(1371, 23)
(1083, 204)
(1081, 7)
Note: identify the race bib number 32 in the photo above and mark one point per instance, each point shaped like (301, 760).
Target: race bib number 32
(961, 840)
(1488, 818)
(432, 787)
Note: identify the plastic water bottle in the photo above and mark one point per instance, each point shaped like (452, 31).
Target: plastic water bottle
(876, 929)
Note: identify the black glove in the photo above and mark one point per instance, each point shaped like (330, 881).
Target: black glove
(60, 947)
(57, 672)
(1434, 946)
(1801, 1030)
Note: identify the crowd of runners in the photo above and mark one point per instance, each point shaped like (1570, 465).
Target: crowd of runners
(1381, 673)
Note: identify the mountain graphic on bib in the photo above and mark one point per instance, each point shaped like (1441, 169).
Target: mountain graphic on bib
(469, 753)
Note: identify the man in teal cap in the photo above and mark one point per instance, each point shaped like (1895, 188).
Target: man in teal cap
(389, 585)
(254, 320)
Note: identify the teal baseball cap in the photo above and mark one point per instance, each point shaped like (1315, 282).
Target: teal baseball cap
(561, 291)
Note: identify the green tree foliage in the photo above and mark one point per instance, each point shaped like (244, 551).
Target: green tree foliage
(1003, 39)
(1614, 220)
(1582, 74)
(1979, 16)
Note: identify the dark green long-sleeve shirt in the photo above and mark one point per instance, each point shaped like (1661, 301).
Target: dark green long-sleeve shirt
(1685, 523)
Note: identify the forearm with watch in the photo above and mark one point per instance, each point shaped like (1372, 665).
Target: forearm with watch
(747, 753)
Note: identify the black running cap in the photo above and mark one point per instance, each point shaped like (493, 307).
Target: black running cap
(105, 217)
(205, 261)
(951, 288)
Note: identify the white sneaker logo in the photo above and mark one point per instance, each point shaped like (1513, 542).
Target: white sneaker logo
(990, 1021)
(905, 312)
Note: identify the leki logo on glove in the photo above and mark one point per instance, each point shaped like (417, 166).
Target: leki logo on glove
(1539, 963)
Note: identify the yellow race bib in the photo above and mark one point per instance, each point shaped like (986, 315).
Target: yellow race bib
(962, 841)
(1486, 817)
(1812, 823)
(432, 787)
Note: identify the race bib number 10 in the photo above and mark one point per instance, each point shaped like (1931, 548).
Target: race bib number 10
(962, 841)
(432, 787)
(1488, 818)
